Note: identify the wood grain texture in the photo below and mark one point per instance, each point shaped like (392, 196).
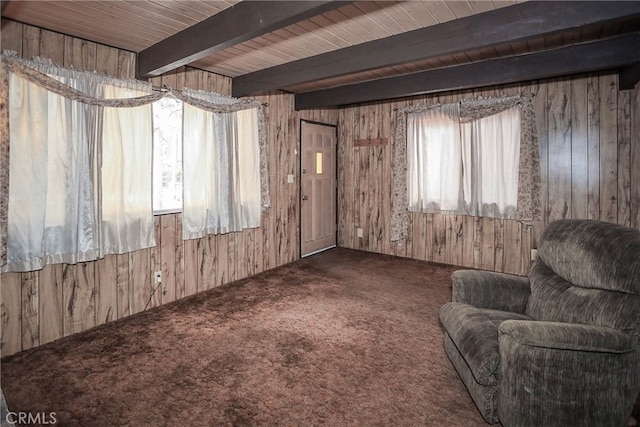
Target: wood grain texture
(635, 159)
(593, 153)
(106, 289)
(59, 300)
(512, 247)
(191, 285)
(78, 292)
(579, 148)
(346, 171)
(608, 148)
(588, 133)
(584, 119)
(11, 36)
(623, 115)
(123, 289)
(140, 280)
(559, 134)
(468, 240)
(30, 41)
(137, 25)
(30, 312)
(498, 262)
(222, 262)
(50, 307)
(155, 264)
(384, 168)
(181, 285)
(232, 257)
(169, 264)
(11, 313)
(53, 44)
(206, 254)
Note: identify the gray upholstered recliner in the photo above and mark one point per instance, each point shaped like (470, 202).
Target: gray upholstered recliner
(561, 347)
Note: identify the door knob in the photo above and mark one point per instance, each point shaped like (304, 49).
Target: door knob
(304, 197)
(304, 171)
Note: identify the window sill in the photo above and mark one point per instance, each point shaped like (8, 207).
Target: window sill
(166, 212)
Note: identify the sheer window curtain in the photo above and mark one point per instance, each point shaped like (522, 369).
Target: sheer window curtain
(464, 168)
(434, 149)
(70, 159)
(249, 167)
(473, 113)
(108, 165)
(226, 198)
(51, 211)
(491, 153)
(126, 222)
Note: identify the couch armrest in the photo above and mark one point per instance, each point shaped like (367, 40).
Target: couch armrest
(485, 289)
(566, 374)
(568, 336)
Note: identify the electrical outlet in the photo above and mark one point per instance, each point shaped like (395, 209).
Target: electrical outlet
(158, 276)
(359, 232)
(290, 179)
(534, 254)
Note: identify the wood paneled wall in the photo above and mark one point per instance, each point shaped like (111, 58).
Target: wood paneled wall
(590, 149)
(589, 134)
(59, 300)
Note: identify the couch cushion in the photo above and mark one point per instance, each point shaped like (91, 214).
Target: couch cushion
(474, 331)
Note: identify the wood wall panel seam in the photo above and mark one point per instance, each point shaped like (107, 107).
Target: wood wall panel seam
(584, 119)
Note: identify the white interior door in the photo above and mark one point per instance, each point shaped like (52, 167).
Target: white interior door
(318, 188)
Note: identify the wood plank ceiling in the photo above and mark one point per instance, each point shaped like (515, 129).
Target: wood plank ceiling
(320, 50)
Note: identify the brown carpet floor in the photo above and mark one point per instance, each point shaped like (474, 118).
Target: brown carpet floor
(339, 338)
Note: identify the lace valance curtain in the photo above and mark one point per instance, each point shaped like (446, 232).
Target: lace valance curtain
(60, 81)
(529, 180)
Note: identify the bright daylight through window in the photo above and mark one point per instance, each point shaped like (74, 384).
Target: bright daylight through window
(167, 155)
(463, 168)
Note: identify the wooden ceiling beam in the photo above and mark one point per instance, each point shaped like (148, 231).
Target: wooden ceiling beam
(3, 6)
(241, 22)
(505, 25)
(614, 53)
(629, 76)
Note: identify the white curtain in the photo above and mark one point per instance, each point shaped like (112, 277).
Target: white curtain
(80, 183)
(491, 149)
(249, 167)
(126, 175)
(434, 152)
(221, 161)
(81, 164)
(468, 168)
(499, 157)
(51, 211)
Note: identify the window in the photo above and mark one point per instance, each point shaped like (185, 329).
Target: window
(82, 165)
(167, 155)
(463, 166)
(319, 163)
(80, 184)
(221, 164)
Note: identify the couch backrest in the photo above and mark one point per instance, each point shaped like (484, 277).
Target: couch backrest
(587, 272)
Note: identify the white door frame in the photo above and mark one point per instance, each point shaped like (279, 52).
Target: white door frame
(300, 195)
